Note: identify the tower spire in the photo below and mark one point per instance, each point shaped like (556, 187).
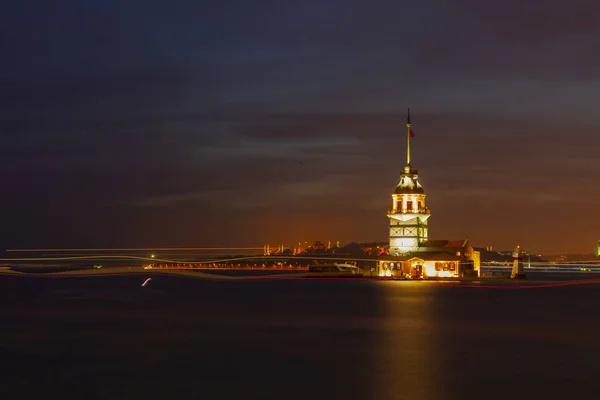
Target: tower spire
(408, 139)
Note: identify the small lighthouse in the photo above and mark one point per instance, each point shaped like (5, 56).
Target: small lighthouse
(408, 215)
(517, 269)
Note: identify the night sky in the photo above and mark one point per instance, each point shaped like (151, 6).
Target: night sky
(237, 123)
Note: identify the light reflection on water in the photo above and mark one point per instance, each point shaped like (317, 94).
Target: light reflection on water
(405, 364)
(299, 339)
(455, 343)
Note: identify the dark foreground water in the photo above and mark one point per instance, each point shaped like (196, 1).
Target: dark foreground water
(109, 338)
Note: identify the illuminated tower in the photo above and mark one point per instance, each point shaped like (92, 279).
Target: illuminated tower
(408, 215)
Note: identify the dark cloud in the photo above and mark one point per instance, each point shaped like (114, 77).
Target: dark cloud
(537, 20)
(236, 123)
(538, 40)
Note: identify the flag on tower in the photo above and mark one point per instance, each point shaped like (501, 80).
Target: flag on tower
(410, 132)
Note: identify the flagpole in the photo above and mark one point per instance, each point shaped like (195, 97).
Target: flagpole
(408, 139)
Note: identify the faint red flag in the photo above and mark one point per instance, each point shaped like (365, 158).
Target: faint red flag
(412, 134)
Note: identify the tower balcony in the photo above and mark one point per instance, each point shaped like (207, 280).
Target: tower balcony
(407, 211)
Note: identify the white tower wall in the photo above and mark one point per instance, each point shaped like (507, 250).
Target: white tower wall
(409, 215)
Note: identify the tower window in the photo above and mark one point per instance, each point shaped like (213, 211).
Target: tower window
(409, 205)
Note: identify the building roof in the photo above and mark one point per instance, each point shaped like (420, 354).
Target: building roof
(430, 256)
(444, 250)
(443, 245)
(425, 256)
(409, 183)
(409, 190)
